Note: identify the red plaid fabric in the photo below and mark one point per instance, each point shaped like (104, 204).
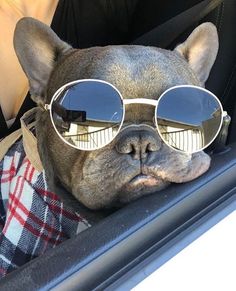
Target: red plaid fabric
(32, 219)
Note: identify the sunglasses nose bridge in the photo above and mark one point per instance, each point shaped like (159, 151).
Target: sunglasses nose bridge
(144, 101)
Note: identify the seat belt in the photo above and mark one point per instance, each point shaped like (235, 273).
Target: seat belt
(167, 32)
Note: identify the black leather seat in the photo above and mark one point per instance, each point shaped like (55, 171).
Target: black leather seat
(222, 80)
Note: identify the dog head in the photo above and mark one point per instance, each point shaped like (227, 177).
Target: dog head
(136, 162)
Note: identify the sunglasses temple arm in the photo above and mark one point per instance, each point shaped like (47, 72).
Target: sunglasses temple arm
(219, 145)
(47, 107)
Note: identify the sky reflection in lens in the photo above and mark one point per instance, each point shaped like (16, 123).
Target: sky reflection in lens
(99, 100)
(187, 105)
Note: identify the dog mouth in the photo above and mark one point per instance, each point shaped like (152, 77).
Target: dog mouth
(145, 180)
(141, 184)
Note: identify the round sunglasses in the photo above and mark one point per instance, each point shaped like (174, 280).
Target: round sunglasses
(88, 114)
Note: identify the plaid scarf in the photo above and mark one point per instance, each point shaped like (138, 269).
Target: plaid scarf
(32, 219)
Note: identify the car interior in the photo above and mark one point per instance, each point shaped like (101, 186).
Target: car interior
(118, 246)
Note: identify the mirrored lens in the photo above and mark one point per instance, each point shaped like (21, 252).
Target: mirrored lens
(188, 118)
(87, 115)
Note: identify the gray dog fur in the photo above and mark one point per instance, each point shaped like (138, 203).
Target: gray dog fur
(104, 177)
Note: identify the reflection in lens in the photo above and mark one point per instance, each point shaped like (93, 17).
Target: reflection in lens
(88, 114)
(188, 118)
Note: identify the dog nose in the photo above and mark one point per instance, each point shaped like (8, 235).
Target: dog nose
(138, 143)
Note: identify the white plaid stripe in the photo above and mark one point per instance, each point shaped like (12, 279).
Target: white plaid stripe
(7, 162)
(7, 261)
(41, 232)
(15, 228)
(60, 220)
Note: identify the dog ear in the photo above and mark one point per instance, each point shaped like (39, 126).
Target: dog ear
(38, 49)
(200, 49)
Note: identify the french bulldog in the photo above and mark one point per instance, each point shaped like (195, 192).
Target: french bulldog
(136, 162)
